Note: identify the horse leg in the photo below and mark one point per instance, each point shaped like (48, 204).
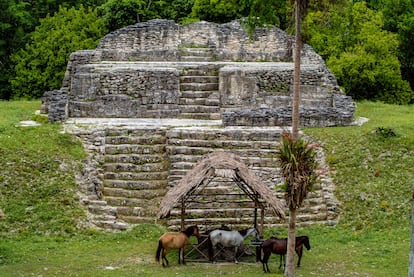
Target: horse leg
(282, 259)
(265, 261)
(299, 251)
(182, 254)
(235, 255)
(210, 247)
(164, 257)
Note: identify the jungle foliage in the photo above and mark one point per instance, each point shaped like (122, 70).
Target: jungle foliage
(367, 44)
(41, 64)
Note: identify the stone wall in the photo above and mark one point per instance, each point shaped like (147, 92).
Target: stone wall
(201, 70)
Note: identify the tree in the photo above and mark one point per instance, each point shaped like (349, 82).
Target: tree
(219, 11)
(296, 188)
(362, 55)
(15, 23)
(41, 65)
(406, 51)
(18, 19)
(298, 164)
(257, 13)
(118, 14)
(177, 10)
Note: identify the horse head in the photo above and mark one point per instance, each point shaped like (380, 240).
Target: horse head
(192, 231)
(306, 242)
(196, 231)
(250, 232)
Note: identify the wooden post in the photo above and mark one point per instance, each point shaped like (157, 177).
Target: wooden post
(255, 217)
(182, 214)
(262, 215)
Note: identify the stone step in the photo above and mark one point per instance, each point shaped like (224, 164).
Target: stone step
(199, 86)
(135, 132)
(148, 139)
(213, 102)
(135, 159)
(111, 224)
(140, 208)
(102, 210)
(127, 167)
(103, 217)
(193, 101)
(251, 161)
(125, 202)
(195, 51)
(135, 185)
(200, 94)
(199, 109)
(207, 70)
(266, 146)
(137, 211)
(199, 79)
(229, 133)
(135, 176)
(196, 58)
(139, 194)
(200, 101)
(113, 149)
(201, 116)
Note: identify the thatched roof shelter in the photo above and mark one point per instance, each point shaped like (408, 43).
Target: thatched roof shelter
(223, 164)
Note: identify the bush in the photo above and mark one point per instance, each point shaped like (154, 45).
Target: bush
(41, 65)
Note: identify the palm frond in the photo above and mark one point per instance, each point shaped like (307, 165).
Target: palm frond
(298, 164)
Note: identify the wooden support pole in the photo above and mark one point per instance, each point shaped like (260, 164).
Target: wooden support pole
(182, 214)
(262, 215)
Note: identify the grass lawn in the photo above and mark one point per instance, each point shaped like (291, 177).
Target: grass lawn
(41, 236)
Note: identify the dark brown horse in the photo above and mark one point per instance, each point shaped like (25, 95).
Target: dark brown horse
(169, 241)
(279, 246)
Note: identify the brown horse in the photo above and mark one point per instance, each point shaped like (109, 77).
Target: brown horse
(169, 241)
(279, 246)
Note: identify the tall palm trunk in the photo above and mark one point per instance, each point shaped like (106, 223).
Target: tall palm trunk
(290, 262)
(411, 261)
(296, 72)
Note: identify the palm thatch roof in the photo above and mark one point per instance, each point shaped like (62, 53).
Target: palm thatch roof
(223, 164)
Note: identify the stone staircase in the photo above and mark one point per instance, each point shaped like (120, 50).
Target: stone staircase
(196, 54)
(134, 177)
(200, 98)
(137, 165)
(199, 85)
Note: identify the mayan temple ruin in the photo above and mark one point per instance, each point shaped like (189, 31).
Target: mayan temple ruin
(154, 98)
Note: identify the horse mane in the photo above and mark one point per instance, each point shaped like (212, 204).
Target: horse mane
(244, 231)
(189, 231)
(305, 240)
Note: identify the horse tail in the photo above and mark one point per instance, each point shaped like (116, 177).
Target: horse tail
(210, 248)
(260, 252)
(159, 249)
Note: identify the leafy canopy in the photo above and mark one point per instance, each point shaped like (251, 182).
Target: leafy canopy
(361, 54)
(40, 66)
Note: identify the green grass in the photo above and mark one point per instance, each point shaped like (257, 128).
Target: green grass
(40, 234)
(37, 181)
